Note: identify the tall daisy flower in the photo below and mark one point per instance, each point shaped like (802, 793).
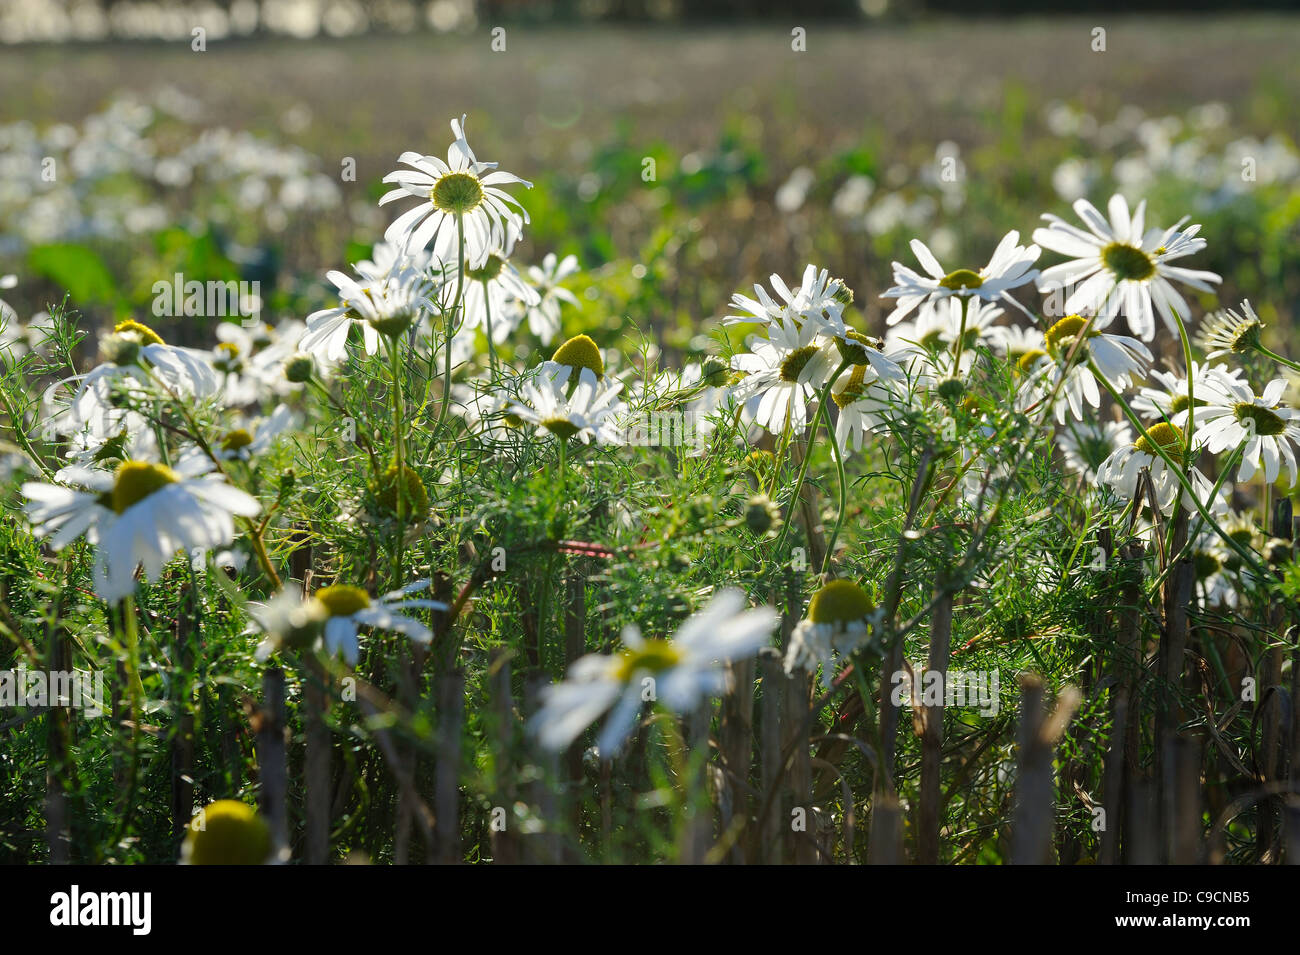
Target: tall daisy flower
(136, 363)
(143, 513)
(253, 437)
(1014, 342)
(1010, 267)
(1265, 426)
(838, 623)
(1075, 364)
(462, 186)
(1115, 266)
(818, 298)
(679, 673)
(865, 403)
(1122, 471)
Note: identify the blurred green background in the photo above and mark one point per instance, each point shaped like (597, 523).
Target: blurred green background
(230, 162)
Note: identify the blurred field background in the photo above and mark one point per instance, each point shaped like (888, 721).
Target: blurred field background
(227, 163)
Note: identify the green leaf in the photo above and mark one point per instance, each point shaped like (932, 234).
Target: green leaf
(77, 269)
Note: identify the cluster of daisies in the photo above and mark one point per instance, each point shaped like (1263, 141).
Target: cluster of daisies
(143, 487)
(1137, 434)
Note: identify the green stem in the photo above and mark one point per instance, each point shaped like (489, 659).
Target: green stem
(492, 349)
(135, 693)
(399, 485)
(807, 456)
(1277, 358)
(1191, 389)
(843, 497)
(451, 322)
(960, 344)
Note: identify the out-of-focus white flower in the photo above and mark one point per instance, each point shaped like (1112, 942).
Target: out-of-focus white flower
(679, 673)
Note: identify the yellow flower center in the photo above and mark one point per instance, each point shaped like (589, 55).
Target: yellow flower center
(1168, 437)
(580, 352)
(1029, 359)
(1261, 420)
(655, 656)
(457, 192)
(961, 279)
(147, 334)
(342, 600)
(1128, 262)
(796, 362)
(135, 480)
(760, 462)
(840, 601)
(227, 358)
(490, 270)
(415, 499)
(1062, 336)
(236, 440)
(853, 390)
(228, 832)
(561, 427)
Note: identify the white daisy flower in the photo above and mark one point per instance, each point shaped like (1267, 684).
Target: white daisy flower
(1227, 333)
(1122, 472)
(591, 411)
(679, 673)
(7, 313)
(387, 305)
(253, 360)
(1115, 357)
(787, 369)
(544, 314)
(866, 406)
(1169, 402)
(348, 608)
(286, 620)
(143, 513)
(462, 186)
(1234, 416)
(253, 437)
(1211, 558)
(1009, 268)
(497, 295)
(137, 364)
(388, 258)
(818, 298)
(1116, 266)
(838, 623)
(984, 468)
